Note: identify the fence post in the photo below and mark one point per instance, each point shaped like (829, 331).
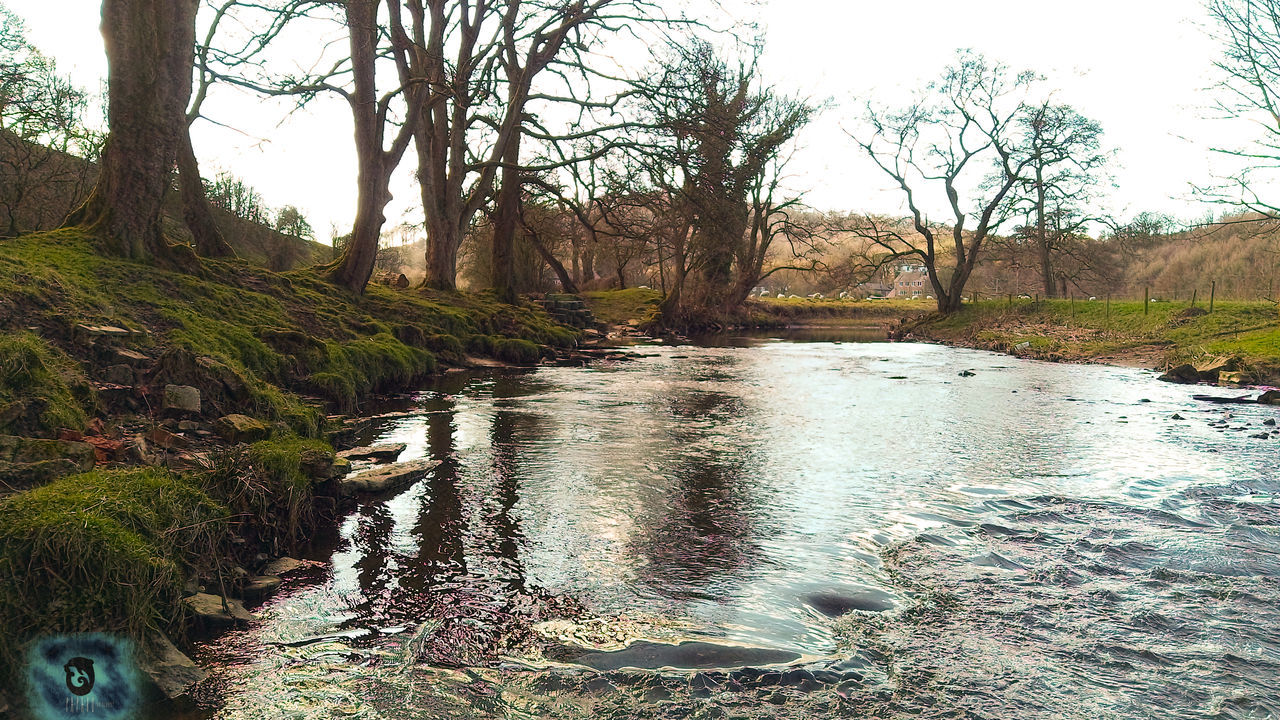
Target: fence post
(1146, 300)
(1194, 293)
(1073, 308)
(1213, 292)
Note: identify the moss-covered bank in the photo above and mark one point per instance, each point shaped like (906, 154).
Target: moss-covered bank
(88, 345)
(272, 336)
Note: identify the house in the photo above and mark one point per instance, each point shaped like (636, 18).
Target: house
(912, 282)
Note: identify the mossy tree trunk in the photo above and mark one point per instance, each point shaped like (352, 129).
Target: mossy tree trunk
(150, 52)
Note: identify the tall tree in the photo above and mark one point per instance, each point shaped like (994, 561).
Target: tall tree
(376, 160)
(1065, 160)
(959, 136)
(150, 51)
(721, 134)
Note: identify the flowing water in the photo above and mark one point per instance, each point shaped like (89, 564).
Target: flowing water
(792, 529)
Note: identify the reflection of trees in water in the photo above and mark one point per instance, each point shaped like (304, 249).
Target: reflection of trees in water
(466, 539)
(706, 532)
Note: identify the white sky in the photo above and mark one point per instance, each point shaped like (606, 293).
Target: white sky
(1139, 67)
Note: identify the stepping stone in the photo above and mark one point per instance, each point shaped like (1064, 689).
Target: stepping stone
(378, 453)
(260, 587)
(282, 566)
(208, 612)
(387, 477)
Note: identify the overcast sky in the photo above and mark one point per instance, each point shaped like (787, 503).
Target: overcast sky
(1139, 67)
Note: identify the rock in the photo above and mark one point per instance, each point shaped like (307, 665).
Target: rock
(1269, 421)
(260, 586)
(169, 669)
(105, 449)
(1235, 377)
(119, 375)
(377, 453)
(188, 426)
(387, 477)
(132, 358)
(282, 566)
(237, 428)
(165, 439)
(208, 612)
(840, 601)
(182, 399)
(110, 331)
(322, 466)
(1261, 436)
(27, 462)
(967, 373)
(1270, 397)
(1176, 416)
(1185, 374)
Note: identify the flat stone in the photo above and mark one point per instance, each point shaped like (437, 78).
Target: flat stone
(182, 398)
(840, 601)
(387, 477)
(1270, 397)
(237, 428)
(208, 612)
(260, 586)
(107, 331)
(282, 566)
(131, 357)
(378, 453)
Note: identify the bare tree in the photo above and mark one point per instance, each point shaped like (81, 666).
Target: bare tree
(957, 137)
(1065, 162)
(1250, 88)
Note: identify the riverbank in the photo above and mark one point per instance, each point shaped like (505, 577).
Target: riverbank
(636, 307)
(1244, 337)
(163, 433)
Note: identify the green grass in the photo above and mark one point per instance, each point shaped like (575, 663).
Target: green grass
(279, 333)
(41, 388)
(1249, 332)
(101, 551)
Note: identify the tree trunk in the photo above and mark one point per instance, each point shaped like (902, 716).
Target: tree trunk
(195, 205)
(501, 270)
(355, 266)
(1042, 235)
(150, 47)
(566, 281)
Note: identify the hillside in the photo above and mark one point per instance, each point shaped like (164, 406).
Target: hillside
(39, 186)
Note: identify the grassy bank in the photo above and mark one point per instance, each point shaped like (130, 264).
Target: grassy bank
(111, 550)
(265, 338)
(1164, 334)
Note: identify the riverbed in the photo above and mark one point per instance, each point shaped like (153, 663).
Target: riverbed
(784, 527)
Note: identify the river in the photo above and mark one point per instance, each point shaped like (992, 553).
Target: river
(1009, 539)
